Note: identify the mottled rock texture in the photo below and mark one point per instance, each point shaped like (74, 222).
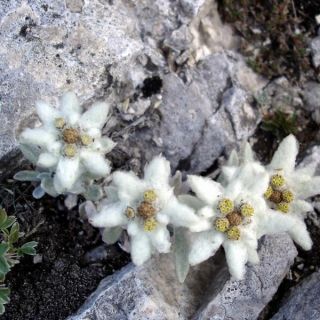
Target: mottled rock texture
(138, 56)
(303, 301)
(153, 292)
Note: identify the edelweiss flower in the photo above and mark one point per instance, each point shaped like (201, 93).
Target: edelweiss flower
(233, 212)
(69, 142)
(285, 196)
(145, 208)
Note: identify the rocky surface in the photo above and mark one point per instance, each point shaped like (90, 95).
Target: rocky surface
(153, 292)
(303, 301)
(140, 57)
(311, 95)
(315, 50)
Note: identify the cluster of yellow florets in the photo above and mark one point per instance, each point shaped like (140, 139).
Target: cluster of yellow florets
(232, 218)
(71, 137)
(146, 210)
(278, 194)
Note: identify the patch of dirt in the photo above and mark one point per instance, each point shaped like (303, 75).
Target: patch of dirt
(56, 282)
(274, 34)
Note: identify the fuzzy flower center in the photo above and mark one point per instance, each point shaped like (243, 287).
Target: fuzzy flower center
(278, 194)
(71, 137)
(145, 211)
(232, 217)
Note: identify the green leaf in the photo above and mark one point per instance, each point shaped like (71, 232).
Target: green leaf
(93, 193)
(4, 266)
(3, 248)
(38, 192)
(4, 294)
(3, 216)
(31, 153)
(14, 233)
(4, 298)
(111, 235)
(8, 223)
(28, 248)
(27, 175)
(181, 250)
(48, 187)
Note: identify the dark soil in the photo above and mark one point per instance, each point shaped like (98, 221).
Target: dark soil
(56, 282)
(274, 34)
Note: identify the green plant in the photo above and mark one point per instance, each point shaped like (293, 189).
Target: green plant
(10, 251)
(280, 124)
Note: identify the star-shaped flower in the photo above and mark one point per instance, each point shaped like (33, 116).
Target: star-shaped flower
(286, 193)
(69, 142)
(233, 212)
(145, 207)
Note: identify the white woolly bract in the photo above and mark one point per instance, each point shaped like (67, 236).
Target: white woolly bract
(87, 161)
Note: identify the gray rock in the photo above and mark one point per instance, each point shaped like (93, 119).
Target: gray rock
(311, 95)
(99, 49)
(152, 291)
(303, 301)
(315, 50)
(203, 113)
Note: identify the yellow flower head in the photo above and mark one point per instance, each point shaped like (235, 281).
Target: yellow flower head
(149, 196)
(268, 192)
(283, 207)
(277, 181)
(150, 224)
(287, 196)
(233, 233)
(85, 139)
(221, 224)
(70, 150)
(247, 210)
(226, 206)
(59, 123)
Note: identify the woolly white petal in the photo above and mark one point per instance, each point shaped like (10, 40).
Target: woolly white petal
(233, 159)
(47, 160)
(307, 189)
(103, 145)
(68, 171)
(95, 163)
(46, 113)
(301, 207)
(300, 235)
(206, 212)
(206, 189)
(227, 174)
(285, 156)
(203, 245)
(140, 248)
(237, 257)
(37, 136)
(70, 107)
(254, 178)
(157, 172)
(191, 201)
(160, 239)
(247, 153)
(180, 215)
(109, 216)
(130, 187)
(95, 117)
(253, 256)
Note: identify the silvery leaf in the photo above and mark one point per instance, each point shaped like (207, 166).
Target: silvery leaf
(181, 250)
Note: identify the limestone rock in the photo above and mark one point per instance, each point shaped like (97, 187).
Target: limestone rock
(152, 291)
(303, 301)
(315, 50)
